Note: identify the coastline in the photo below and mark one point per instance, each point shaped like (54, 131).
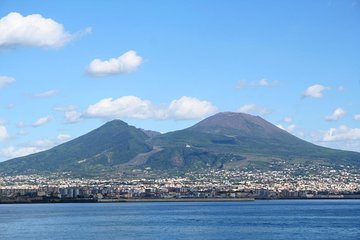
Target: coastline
(134, 200)
(141, 200)
(160, 200)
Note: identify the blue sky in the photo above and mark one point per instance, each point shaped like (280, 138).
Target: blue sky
(67, 67)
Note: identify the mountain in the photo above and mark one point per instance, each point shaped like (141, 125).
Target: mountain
(112, 144)
(230, 138)
(224, 140)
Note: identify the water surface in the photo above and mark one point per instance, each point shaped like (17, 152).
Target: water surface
(280, 219)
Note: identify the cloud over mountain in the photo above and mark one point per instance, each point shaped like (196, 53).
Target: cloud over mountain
(135, 107)
(253, 109)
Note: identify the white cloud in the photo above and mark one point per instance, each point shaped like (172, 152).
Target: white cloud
(61, 138)
(126, 63)
(190, 108)
(134, 107)
(253, 109)
(21, 124)
(342, 133)
(315, 91)
(32, 30)
(48, 93)
(10, 106)
(22, 132)
(5, 80)
(67, 108)
(260, 83)
(281, 126)
(13, 152)
(357, 117)
(336, 115)
(33, 147)
(72, 116)
(3, 132)
(43, 144)
(41, 121)
(127, 106)
(288, 119)
(290, 128)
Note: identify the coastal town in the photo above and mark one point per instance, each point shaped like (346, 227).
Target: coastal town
(217, 184)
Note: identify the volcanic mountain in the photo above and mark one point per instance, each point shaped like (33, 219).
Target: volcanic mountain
(224, 140)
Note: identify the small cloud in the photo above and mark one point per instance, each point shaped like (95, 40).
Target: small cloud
(41, 121)
(22, 132)
(280, 126)
(342, 133)
(65, 108)
(33, 30)
(88, 30)
(13, 152)
(5, 81)
(357, 117)
(253, 109)
(10, 106)
(288, 120)
(61, 138)
(126, 63)
(45, 94)
(72, 116)
(190, 108)
(336, 115)
(315, 91)
(33, 147)
(3, 132)
(260, 83)
(290, 128)
(82, 33)
(21, 124)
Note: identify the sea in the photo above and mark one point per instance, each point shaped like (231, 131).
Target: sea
(274, 219)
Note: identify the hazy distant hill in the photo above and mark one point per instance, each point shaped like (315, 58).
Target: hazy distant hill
(224, 140)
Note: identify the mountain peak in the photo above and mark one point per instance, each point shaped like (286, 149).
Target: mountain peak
(243, 123)
(116, 122)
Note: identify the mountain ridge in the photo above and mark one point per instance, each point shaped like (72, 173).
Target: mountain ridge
(223, 140)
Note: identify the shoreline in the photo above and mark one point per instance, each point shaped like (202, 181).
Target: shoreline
(140, 200)
(163, 200)
(179, 200)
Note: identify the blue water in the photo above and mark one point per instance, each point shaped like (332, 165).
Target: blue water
(281, 219)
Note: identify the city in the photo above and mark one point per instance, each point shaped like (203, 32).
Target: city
(213, 185)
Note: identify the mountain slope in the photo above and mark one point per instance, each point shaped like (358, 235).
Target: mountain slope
(113, 143)
(230, 136)
(221, 141)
